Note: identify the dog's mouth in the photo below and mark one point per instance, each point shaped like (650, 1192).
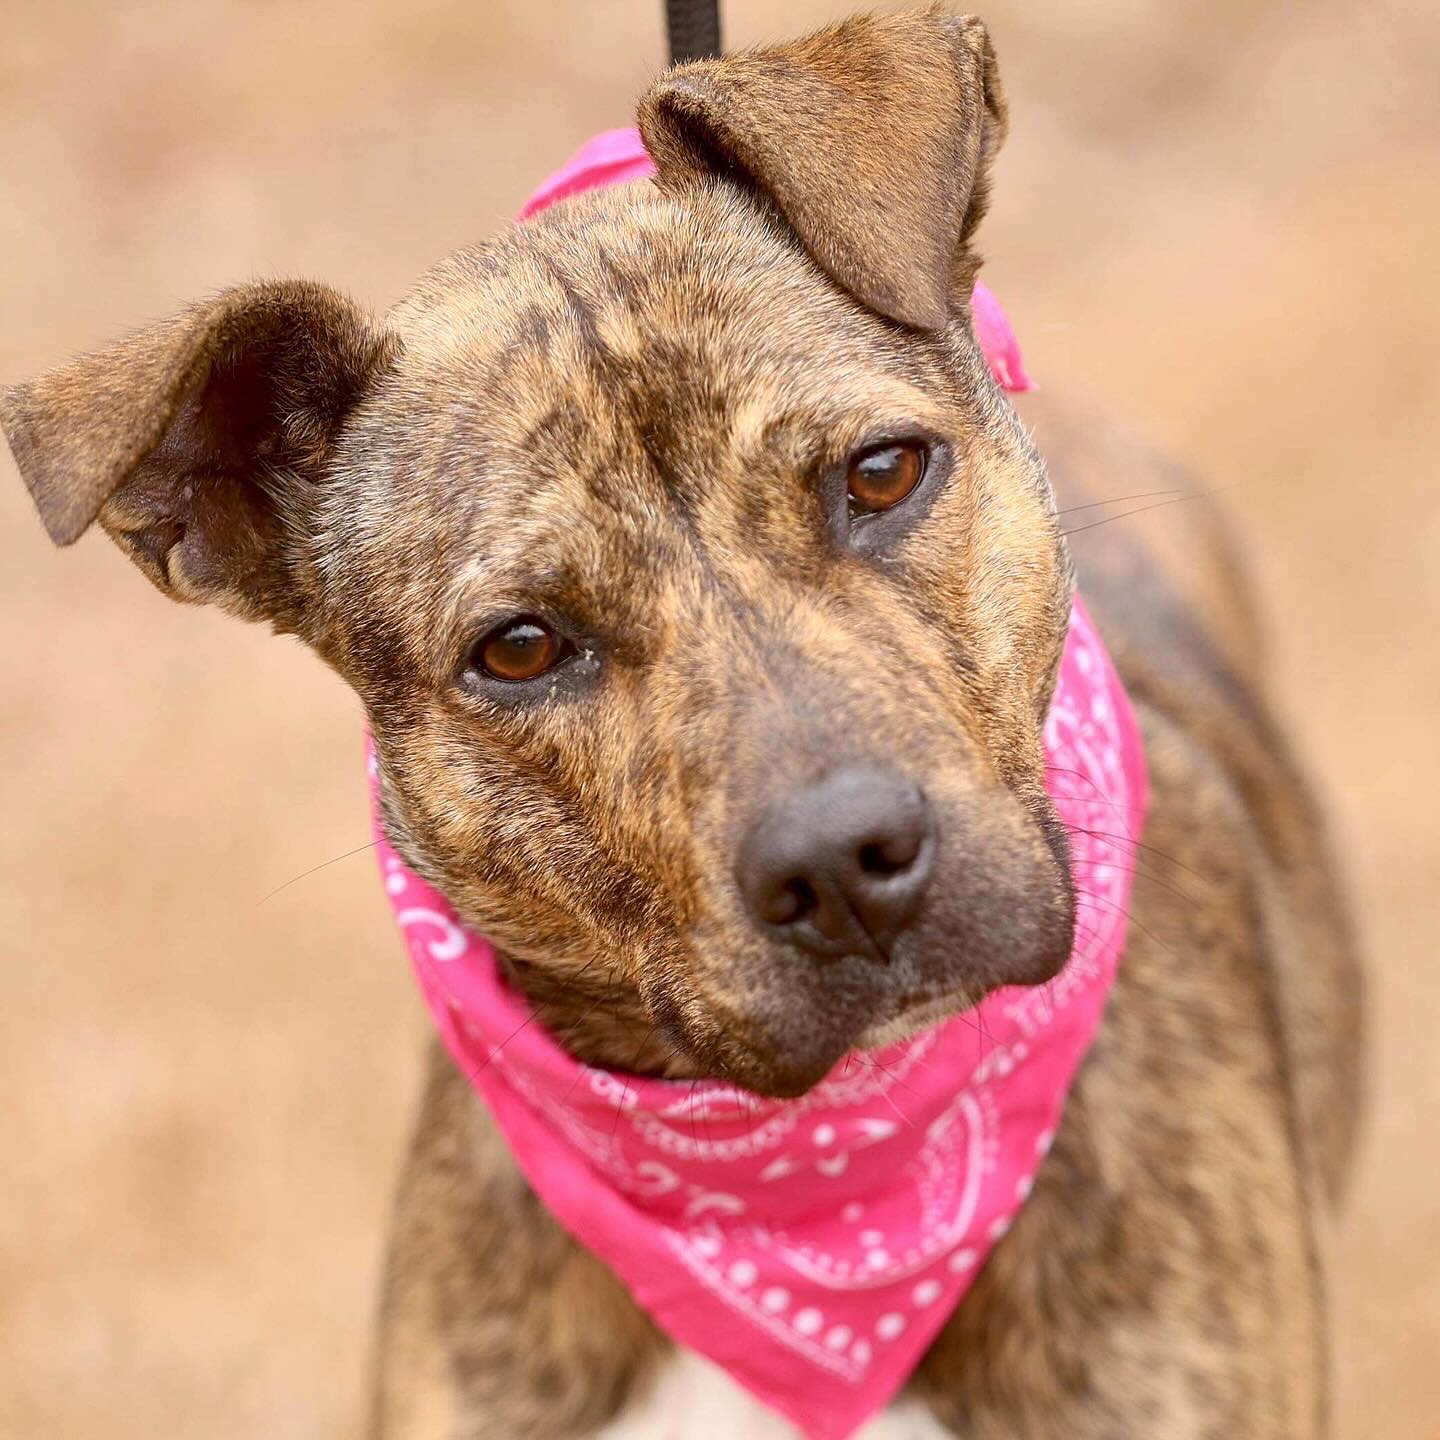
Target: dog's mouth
(914, 1019)
(776, 1020)
(787, 1030)
(788, 1047)
(865, 906)
(860, 913)
(784, 1074)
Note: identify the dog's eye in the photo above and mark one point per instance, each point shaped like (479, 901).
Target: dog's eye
(881, 477)
(520, 649)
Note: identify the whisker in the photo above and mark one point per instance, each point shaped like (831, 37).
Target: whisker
(706, 1121)
(1129, 918)
(1175, 499)
(1078, 774)
(1140, 845)
(534, 1014)
(574, 1029)
(1096, 796)
(1141, 873)
(984, 1025)
(1094, 800)
(1116, 499)
(887, 1097)
(471, 1075)
(1167, 886)
(752, 1109)
(323, 865)
(982, 1038)
(690, 1110)
(1048, 989)
(625, 1080)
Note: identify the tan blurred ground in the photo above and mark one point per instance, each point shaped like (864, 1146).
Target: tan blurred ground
(1223, 216)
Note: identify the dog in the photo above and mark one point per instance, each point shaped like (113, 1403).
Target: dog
(642, 518)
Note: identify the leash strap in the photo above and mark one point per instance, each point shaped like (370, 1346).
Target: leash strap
(693, 28)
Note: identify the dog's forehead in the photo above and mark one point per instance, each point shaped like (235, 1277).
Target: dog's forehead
(629, 304)
(596, 375)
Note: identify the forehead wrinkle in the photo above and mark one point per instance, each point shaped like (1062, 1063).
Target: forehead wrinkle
(836, 417)
(689, 304)
(625, 281)
(658, 268)
(492, 331)
(560, 537)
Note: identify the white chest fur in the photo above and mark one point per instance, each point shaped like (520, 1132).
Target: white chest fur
(692, 1399)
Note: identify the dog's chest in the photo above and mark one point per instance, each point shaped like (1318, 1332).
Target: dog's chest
(692, 1399)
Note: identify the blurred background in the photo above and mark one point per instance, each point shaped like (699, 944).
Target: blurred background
(1220, 215)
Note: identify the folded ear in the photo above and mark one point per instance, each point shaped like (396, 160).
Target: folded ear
(198, 443)
(873, 138)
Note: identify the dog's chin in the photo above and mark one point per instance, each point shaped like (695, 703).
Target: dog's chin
(790, 1067)
(787, 1076)
(926, 1013)
(915, 1020)
(794, 1024)
(785, 1072)
(771, 1072)
(780, 1078)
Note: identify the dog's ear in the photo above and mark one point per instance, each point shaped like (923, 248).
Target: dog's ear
(198, 443)
(873, 138)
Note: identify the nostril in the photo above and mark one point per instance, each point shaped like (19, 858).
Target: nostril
(791, 902)
(841, 866)
(889, 856)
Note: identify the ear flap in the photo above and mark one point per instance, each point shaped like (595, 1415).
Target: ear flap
(873, 138)
(196, 443)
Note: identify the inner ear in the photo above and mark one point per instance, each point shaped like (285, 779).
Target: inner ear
(873, 139)
(198, 443)
(236, 418)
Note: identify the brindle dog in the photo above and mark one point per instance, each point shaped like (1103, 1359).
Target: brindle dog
(693, 494)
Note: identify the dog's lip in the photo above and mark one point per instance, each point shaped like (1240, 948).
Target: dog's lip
(913, 1018)
(771, 1074)
(779, 1081)
(777, 1077)
(739, 1055)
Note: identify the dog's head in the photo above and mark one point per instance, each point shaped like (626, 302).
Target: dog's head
(702, 590)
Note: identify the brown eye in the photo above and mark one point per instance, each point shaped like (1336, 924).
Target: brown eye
(518, 650)
(883, 477)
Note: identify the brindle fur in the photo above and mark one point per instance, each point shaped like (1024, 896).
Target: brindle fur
(630, 414)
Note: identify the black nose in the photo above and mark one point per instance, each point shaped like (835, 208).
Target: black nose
(840, 867)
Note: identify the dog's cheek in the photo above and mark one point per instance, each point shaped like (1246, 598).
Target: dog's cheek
(1001, 910)
(988, 580)
(465, 820)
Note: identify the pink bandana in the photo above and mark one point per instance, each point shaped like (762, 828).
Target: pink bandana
(812, 1247)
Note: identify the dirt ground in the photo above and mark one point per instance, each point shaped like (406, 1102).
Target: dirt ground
(1221, 216)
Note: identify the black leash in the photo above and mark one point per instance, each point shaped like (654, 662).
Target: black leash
(693, 27)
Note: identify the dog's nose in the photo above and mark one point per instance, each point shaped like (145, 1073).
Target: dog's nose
(840, 867)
